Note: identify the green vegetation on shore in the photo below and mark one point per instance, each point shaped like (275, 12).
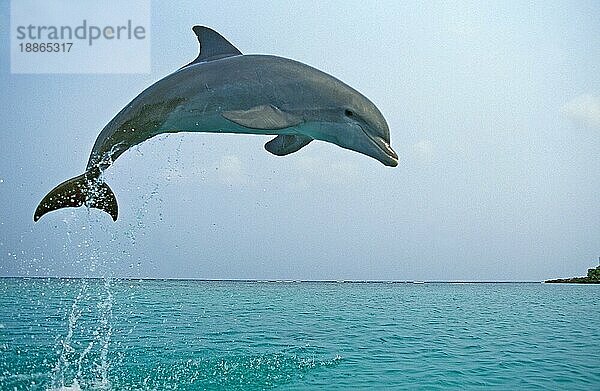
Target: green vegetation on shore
(593, 277)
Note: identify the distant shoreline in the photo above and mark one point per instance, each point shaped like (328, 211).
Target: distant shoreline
(593, 277)
(288, 281)
(574, 280)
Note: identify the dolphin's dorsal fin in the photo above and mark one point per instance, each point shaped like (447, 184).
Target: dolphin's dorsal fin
(212, 45)
(263, 117)
(284, 144)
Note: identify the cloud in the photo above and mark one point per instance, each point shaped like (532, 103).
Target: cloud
(314, 171)
(311, 171)
(584, 109)
(327, 169)
(172, 174)
(423, 151)
(231, 170)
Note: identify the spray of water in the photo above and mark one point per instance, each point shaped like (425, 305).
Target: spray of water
(83, 353)
(105, 308)
(63, 364)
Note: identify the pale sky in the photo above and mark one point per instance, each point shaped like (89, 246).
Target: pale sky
(494, 111)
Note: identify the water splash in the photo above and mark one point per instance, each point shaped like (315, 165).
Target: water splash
(79, 367)
(73, 387)
(63, 364)
(105, 308)
(232, 372)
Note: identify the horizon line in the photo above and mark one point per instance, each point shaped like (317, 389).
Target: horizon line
(279, 280)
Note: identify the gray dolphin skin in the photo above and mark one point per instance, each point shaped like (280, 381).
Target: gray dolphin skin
(223, 91)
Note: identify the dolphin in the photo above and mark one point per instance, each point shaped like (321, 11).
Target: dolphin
(223, 91)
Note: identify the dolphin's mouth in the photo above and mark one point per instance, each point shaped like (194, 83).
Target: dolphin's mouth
(391, 157)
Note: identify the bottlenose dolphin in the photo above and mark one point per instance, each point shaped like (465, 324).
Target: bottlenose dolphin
(223, 91)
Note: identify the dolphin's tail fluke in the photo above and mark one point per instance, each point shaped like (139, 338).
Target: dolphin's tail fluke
(86, 189)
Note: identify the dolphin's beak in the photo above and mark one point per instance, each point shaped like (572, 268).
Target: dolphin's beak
(377, 148)
(391, 157)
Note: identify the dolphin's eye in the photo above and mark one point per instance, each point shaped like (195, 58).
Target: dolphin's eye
(348, 113)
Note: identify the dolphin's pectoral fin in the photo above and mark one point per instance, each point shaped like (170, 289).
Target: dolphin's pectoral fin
(212, 46)
(263, 117)
(85, 189)
(285, 144)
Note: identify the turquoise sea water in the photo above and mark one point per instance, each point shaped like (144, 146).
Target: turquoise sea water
(188, 335)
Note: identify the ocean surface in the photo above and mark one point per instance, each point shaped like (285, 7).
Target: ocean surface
(72, 334)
